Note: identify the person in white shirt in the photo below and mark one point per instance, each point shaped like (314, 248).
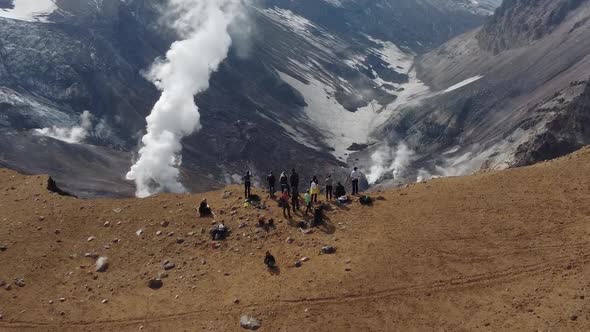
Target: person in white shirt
(355, 176)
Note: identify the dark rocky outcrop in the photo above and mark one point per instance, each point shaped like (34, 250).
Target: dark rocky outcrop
(54, 188)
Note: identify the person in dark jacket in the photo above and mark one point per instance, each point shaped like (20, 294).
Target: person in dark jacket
(269, 260)
(271, 183)
(340, 191)
(247, 184)
(295, 200)
(329, 187)
(294, 179)
(204, 209)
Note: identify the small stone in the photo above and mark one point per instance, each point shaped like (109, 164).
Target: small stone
(158, 233)
(20, 282)
(249, 322)
(102, 264)
(163, 275)
(106, 224)
(41, 218)
(139, 232)
(50, 301)
(179, 241)
(304, 259)
(169, 266)
(290, 240)
(117, 210)
(62, 299)
(236, 301)
(328, 250)
(105, 301)
(298, 264)
(3, 247)
(164, 223)
(574, 317)
(91, 238)
(155, 284)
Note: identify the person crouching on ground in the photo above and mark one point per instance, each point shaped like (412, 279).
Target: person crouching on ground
(269, 261)
(204, 209)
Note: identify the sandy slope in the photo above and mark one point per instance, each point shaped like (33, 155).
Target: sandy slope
(495, 251)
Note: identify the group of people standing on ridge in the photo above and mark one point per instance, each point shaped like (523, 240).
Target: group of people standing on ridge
(290, 194)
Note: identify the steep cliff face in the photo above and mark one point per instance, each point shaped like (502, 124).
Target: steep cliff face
(517, 23)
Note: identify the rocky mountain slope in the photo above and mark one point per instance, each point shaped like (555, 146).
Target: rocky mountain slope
(505, 250)
(288, 95)
(511, 93)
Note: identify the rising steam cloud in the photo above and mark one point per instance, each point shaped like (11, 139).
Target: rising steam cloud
(73, 135)
(203, 26)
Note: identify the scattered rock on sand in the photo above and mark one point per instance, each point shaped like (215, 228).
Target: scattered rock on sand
(102, 264)
(169, 266)
(574, 317)
(164, 223)
(155, 283)
(249, 322)
(328, 250)
(91, 238)
(304, 259)
(20, 282)
(92, 255)
(139, 232)
(298, 264)
(289, 240)
(117, 210)
(3, 247)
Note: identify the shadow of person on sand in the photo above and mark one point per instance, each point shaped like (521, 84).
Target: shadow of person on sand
(275, 270)
(325, 225)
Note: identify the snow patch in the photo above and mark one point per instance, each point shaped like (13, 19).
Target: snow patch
(30, 10)
(463, 83)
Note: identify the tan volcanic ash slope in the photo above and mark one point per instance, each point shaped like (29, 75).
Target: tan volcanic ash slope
(499, 250)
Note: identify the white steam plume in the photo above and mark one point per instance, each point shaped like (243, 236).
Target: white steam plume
(72, 135)
(203, 25)
(393, 160)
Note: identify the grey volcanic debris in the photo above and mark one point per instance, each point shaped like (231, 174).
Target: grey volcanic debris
(6, 4)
